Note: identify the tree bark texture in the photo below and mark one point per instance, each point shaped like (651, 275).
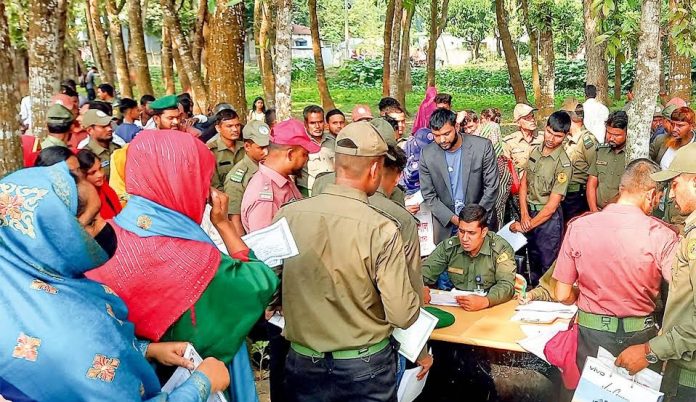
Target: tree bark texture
(198, 40)
(266, 43)
(187, 66)
(44, 74)
(597, 71)
(404, 63)
(431, 52)
(283, 59)
(10, 142)
(326, 102)
(386, 54)
(510, 55)
(62, 12)
(107, 70)
(167, 63)
(179, 68)
(94, 47)
(645, 89)
(679, 65)
(394, 57)
(617, 78)
(138, 55)
(533, 51)
(120, 58)
(547, 69)
(226, 61)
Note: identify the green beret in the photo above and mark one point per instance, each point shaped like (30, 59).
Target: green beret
(444, 319)
(166, 102)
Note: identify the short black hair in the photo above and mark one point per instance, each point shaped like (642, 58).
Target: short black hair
(186, 103)
(69, 83)
(145, 99)
(399, 155)
(224, 115)
(618, 119)
(312, 109)
(443, 98)
(59, 128)
(334, 112)
(559, 121)
(103, 106)
(108, 88)
(68, 90)
(127, 103)
(440, 117)
(52, 155)
(590, 91)
(392, 121)
(270, 117)
(86, 159)
(473, 213)
(393, 109)
(386, 102)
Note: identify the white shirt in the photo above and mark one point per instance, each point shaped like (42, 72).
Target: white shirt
(596, 115)
(25, 111)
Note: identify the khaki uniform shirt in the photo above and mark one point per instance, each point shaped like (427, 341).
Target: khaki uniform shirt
(546, 291)
(318, 163)
(236, 182)
(494, 265)
(677, 342)
(608, 169)
(225, 159)
(51, 141)
(516, 147)
(547, 174)
(104, 154)
(323, 180)
(349, 286)
(581, 149)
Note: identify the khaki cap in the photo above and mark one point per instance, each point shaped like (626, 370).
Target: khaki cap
(94, 117)
(385, 130)
(658, 111)
(258, 132)
(59, 114)
(684, 162)
(521, 110)
(668, 110)
(366, 138)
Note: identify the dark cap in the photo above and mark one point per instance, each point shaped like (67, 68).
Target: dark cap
(165, 102)
(59, 114)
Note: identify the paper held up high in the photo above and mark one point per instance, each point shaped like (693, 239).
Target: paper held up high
(182, 374)
(516, 240)
(272, 244)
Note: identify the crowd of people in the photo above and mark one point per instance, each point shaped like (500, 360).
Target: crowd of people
(122, 243)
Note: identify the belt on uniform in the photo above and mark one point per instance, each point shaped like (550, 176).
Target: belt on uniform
(536, 207)
(575, 187)
(608, 323)
(687, 378)
(341, 354)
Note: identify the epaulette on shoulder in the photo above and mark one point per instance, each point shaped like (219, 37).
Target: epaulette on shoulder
(386, 215)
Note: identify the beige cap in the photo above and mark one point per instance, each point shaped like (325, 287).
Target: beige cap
(658, 111)
(521, 110)
(385, 130)
(95, 117)
(684, 162)
(258, 132)
(367, 140)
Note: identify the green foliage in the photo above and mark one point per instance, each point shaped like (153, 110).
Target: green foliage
(620, 26)
(367, 73)
(155, 17)
(304, 70)
(682, 19)
(568, 26)
(471, 20)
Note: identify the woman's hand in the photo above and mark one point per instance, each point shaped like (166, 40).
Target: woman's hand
(169, 354)
(219, 202)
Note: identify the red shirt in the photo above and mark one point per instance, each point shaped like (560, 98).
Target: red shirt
(266, 192)
(618, 257)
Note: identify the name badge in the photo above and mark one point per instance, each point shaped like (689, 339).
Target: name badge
(459, 271)
(105, 163)
(602, 163)
(266, 196)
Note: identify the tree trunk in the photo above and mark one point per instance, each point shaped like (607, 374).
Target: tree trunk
(595, 54)
(326, 102)
(405, 53)
(44, 56)
(179, 68)
(283, 59)
(226, 61)
(617, 78)
(394, 58)
(265, 44)
(119, 48)
(386, 54)
(679, 83)
(533, 52)
(476, 48)
(546, 76)
(645, 89)
(258, 15)
(91, 37)
(62, 12)
(10, 142)
(167, 63)
(191, 69)
(432, 45)
(107, 70)
(138, 54)
(510, 55)
(198, 40)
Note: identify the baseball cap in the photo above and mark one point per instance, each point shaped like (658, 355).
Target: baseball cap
(292, 132)
(521, 110)
(668, 110)
(65, 101)
(658, 111)
(94, 117)
(367, 140)
(165, 102)
(258, 132)
(59, 114)
(684, 162)
(220, 107)
(385, 130)
(360, 112)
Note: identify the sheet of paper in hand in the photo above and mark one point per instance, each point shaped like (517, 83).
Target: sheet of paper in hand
(182, 374)
(449, 298)
(272, 244)
(600, 382)
(412, 339)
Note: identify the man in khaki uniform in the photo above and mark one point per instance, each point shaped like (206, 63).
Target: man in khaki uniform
(605, 174)
(256, 136)
(676, 345)
(519, 144)
(581, 147)
(59, 121)
(226, 146)
(349, 286)
(319, 162)
(98, 125)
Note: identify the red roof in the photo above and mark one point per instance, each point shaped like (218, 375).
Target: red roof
(300, 30)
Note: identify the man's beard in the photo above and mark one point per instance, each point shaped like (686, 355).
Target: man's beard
(673, 142)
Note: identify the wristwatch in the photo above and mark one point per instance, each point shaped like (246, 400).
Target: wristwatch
(650, 356)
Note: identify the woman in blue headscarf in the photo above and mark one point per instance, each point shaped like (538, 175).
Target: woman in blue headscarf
(65, 337)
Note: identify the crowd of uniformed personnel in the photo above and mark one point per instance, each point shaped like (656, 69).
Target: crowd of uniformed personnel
(359, 273)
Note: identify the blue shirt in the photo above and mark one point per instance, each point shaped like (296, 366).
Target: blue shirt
(127, 131)
(454, 168)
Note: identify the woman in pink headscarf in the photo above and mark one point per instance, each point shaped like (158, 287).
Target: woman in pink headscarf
(426, 108)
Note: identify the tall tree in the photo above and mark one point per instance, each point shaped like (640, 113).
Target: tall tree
(107, 71)
(404, 62)
(326, 102)
(62, 33)
(266, 43)
(595, 52)
(394, 58)
(179, 67)
(93, 46)
(437, 22)
(471, 20)
(386, 53)
(510, 54)
(198, 42)
(226, 56)
(547, 58)
(283, 48)
(138, 55)
(679, 84)
(10, 143)
(533, 51)
(646, 88)
(167, 63)
(120, 58)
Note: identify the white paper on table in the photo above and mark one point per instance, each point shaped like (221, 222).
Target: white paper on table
(413, 338)
(536, 344)
(516, 240)
(548, 307)
(277, 320)
(410, 387)
(540, 312)
(644, 377)
(448, 298)
(272, 244)
(182, 374)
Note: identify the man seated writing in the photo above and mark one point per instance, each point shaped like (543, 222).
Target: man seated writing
(475, 259)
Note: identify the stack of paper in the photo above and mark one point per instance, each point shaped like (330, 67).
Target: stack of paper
(644, 377)
(540, 312)
(448, 298)
(413, 338)
(182, 374)
(272, 244)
